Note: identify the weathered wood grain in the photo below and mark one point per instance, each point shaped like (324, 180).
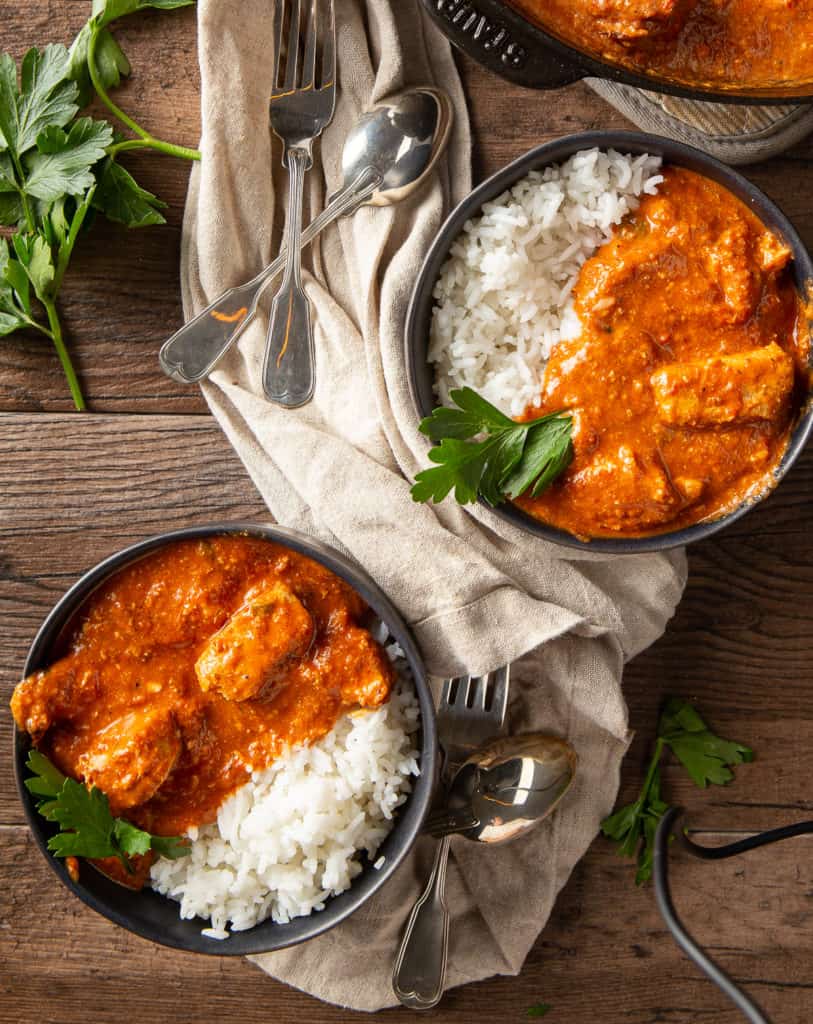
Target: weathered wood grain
(604, 956)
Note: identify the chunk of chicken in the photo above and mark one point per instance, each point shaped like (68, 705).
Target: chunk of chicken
(52, 695)
(367, 674)
(131, 758)
(636, 21)
(753, 385)
(250, 656)
(635, 495)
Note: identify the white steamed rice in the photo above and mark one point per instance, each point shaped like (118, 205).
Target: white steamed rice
(290, 838)
(503, 298)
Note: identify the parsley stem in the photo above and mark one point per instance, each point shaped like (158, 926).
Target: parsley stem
(653, 766)
(64, 358)
(147, 140)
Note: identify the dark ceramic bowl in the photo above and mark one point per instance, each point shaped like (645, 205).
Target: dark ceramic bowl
(156, 917)
(502, 40)
(419, 315)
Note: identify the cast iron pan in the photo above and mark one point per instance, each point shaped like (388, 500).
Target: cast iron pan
(421, 374)
(500, 39)
(155, 917)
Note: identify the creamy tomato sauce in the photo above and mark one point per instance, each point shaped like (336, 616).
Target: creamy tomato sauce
(735, 44)
(196, 665)
(690, 368)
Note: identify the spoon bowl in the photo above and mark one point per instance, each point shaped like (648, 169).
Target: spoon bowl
(400, 140)
(506, 788)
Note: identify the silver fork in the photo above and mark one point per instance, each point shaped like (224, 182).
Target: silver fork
(299, 112)
(471, 711)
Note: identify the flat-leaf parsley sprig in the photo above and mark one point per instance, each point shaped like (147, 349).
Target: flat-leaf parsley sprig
(57, 169)
(87, 826)
(480, 452)
(707, 758)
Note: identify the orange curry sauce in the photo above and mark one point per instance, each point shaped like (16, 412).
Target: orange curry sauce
(725, 44)
(691, 364)
(279, 641)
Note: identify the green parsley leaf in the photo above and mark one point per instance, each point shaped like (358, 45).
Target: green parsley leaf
(62, 163)
(129, 838)
(504, 459)
(15, 303)
(34, 254)
(705, 756)
(121, 199)
(108, 10)
(87, 826)
(548, 453)
(708, 758)
(47, 779)
(45, 97)
(111, 62)
(538, 1010)
(171, 847)
(85, 820)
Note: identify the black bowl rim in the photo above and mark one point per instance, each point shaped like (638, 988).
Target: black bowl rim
(186, 935)
(679, 153)
(549, 62)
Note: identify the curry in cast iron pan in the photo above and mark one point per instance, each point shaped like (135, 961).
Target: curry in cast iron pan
(744, 51)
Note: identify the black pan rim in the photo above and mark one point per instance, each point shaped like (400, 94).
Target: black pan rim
(549, 62)
(165, 926)
(420, 304)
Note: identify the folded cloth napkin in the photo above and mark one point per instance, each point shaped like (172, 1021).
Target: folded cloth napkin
(477, 592)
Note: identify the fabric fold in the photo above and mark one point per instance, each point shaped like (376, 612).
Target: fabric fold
(477, 592)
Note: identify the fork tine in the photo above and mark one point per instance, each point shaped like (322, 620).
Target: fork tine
(461, 697)
(499, 696)
(293, 49)
(329, 50)
(279, 27)
(478, 703)
(446, 690)
(309, 57)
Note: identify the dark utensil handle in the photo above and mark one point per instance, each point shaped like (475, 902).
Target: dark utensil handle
(498, 43)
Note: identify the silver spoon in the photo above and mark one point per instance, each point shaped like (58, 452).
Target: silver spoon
(506, 788)
(501, 791)
(387, 156)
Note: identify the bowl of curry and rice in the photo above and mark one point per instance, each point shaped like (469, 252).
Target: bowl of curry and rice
(643, 313)
(224, 738)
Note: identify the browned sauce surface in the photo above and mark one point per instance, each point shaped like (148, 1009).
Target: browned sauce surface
(723, 43)
(690, 366)
(282, 653)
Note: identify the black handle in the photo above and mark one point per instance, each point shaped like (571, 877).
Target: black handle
(502, 42)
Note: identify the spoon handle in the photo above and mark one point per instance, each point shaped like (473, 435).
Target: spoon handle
(420, 967)
(192, 352)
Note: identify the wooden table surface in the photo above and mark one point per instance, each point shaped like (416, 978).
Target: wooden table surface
(76, 488)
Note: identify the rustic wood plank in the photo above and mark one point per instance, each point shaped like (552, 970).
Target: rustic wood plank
(601, 956)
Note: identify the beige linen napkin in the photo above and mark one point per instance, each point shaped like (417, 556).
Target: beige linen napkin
(477, 592)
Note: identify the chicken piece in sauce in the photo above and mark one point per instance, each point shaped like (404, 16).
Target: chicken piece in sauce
(132, 757)
(755, 385)
(57, 693)
(634, 22)
(250, 656)
(688, 370)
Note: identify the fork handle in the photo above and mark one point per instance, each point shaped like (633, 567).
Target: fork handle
(194, 350)
(288, 364)
(420, 967)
